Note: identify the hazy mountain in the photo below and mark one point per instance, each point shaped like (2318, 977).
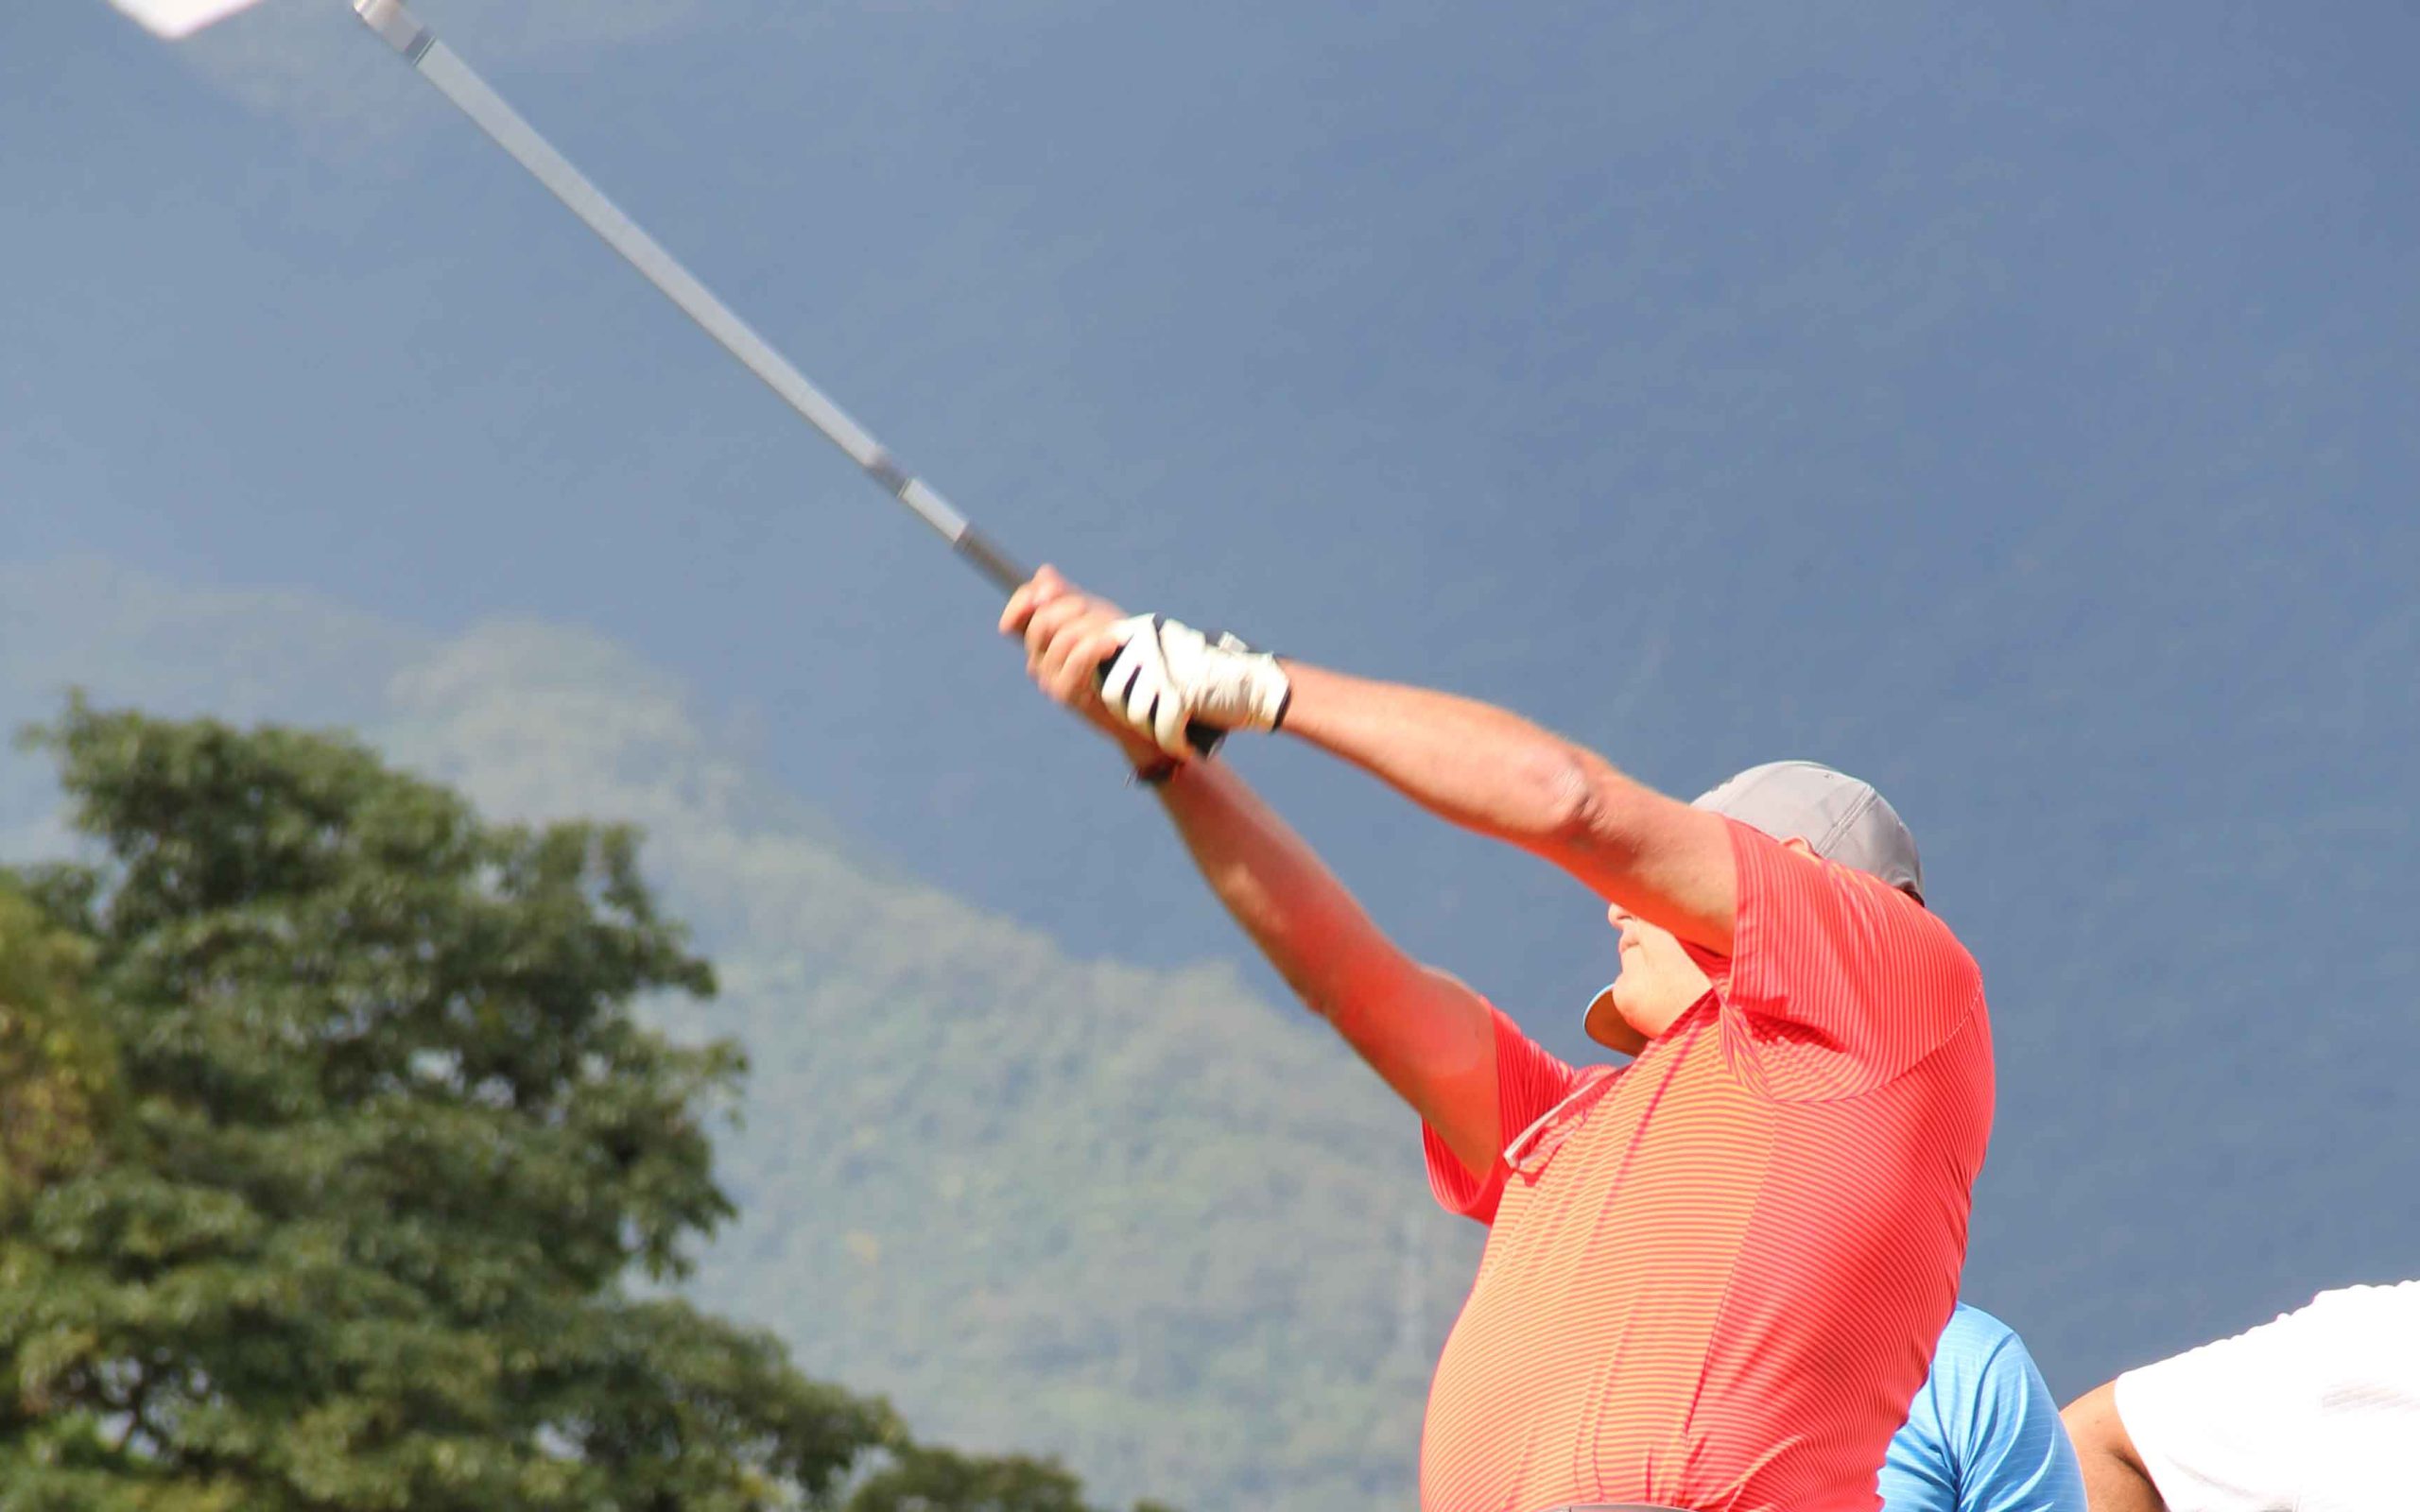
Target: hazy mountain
(2010, 404)
(1145, 1218)
(1142, 1218)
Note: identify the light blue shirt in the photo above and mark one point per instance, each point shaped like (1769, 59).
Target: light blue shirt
(1982, 1434)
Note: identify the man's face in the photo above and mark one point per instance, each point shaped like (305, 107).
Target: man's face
(1657, 984)
(1659, 980)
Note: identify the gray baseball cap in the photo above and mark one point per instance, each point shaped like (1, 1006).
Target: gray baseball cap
(1842, 818)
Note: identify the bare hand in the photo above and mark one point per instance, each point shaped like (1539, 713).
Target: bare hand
(1069, 634)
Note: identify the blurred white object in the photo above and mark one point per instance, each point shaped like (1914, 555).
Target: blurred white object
(181, 18)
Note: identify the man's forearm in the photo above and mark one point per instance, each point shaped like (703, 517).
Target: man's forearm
(1490, 770)
(1278, 890)
(1474, 763)
(1144, 678)
(1428, 1035)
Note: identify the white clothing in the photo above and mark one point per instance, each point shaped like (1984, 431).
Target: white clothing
(2316, 1412)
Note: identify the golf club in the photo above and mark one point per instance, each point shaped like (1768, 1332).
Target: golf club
(438, 64)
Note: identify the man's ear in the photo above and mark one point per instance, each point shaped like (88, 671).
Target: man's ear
(1799, 844)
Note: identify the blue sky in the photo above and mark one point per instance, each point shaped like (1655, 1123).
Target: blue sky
(2013, 405)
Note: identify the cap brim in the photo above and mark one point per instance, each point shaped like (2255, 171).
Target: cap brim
(1602, 1002)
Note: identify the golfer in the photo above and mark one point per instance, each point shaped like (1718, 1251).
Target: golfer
(1713, 1278)
(2318, 1411)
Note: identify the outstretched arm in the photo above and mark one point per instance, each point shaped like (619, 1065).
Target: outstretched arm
(1424, 1032)
(1426, 1035)
(1473, 764)
(1491, 770)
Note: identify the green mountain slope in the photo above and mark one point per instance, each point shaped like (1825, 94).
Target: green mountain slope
(1143, 1219)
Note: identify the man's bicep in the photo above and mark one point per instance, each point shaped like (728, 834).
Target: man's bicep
(1688, 871)
(1452, 1082)
(1467, 1120)
(1432, 1039)
(1657, 857)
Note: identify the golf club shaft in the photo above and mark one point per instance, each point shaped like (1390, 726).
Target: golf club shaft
(454, 80)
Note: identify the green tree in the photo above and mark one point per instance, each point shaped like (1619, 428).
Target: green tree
(334, 1157)
(919, 1479)
(55, 1071)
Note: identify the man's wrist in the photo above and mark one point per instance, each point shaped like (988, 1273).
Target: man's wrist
(1155, 772)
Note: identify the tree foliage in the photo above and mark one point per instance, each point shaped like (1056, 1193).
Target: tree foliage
(922, 1479)
(55, 1069)
(340, 1177)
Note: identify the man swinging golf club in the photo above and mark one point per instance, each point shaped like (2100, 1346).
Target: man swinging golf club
(1713, 1278)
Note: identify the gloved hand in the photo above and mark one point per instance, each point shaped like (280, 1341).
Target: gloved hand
(1166, 675)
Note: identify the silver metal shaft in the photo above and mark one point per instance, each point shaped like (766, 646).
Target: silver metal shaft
(453, 78)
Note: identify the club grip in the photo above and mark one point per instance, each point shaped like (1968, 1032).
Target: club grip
(984, 554)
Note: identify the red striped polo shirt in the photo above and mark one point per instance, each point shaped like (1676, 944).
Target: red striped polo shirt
(1713, 1278)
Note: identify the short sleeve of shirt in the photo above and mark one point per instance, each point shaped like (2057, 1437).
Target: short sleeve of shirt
(1983, 1435)
(1529, 1083)
(2316, 1411)
(1843, 980)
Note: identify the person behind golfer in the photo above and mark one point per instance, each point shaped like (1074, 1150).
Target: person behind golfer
(2316, 1411)
(1713, 1278)
(1983, 1435)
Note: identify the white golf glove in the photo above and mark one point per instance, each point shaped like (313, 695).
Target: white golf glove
(1168, 676)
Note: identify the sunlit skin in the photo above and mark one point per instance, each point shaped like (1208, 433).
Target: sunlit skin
(1658, 982)
(1426, 1033)
(2115, 1478)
